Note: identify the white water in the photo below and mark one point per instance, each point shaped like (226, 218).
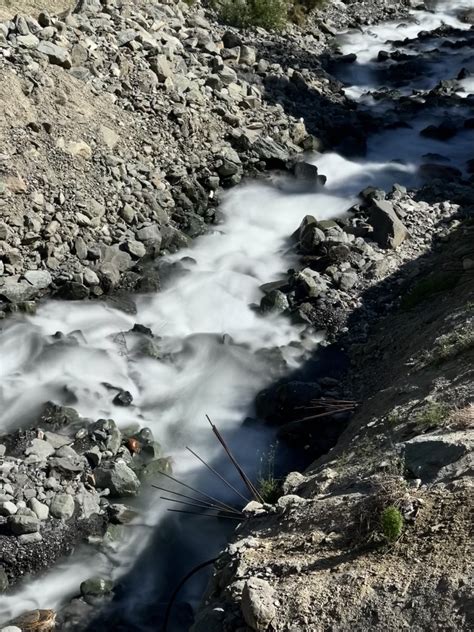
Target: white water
(204, 373)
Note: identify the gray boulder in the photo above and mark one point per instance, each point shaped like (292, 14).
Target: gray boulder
(439, 456)
(257, 604)
(62, 506)
(118, 478)
(20, 524)
(56, 54)
(389, 231)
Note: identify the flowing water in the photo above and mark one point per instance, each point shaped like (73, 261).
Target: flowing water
(217, 351)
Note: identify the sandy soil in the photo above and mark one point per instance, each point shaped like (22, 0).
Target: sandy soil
(9, 8)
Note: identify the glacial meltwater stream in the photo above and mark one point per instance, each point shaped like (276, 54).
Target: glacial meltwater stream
(215, 348)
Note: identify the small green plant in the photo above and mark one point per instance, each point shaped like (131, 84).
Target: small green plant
(394, 418)
(392, 523)
(269, 487)
(450, 346)
(432, 414)
(268, 14)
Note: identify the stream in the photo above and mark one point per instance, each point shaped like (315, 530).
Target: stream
(217, 351)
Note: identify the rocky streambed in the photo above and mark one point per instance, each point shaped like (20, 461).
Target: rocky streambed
(230, 321)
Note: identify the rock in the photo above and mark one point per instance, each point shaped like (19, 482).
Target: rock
(95, 589)
(39, 279)
(439, 172)
(248, 55)
(118, 478)
(40, 448)
(389, 231)
(16, 291)
(231, 39)
(427, 456)
(445, 131)
(310, 234)
(28, 41)
(230, 163)
(35, 621)
(310, 283)
(8, 508)
(270, 151)
(306, 171)
(79, 149)
(123, 398)
(56, 54)
(41, 510)
(348, 280)
(257, 604)
(150, 235)
(135, 248)
(274, 301)
(20, 524)
(4, 583)
(62, 506)
(161, 68)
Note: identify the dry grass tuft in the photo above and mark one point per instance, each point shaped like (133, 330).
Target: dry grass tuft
(462, 418)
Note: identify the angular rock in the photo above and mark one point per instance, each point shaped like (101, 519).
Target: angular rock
(389, 231)
(20, 524)
(56, 54)
(257, 605)
(118, 478)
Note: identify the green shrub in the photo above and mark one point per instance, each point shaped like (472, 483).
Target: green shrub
(391, 523)
(432, 414)
(269, 487)
(450, 346)
(269, 14)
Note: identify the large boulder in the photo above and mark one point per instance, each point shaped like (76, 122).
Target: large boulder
(388, 230)
(257, 605)
(438, 456)
(118, 478)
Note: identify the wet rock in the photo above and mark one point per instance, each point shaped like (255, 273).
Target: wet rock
(444, 131)
(35, 621)
(118, 478)
(94, 590)
(274, 301)
(389, 231)
(257, 605)
(439, 172)
(123, 398)
(310, 234)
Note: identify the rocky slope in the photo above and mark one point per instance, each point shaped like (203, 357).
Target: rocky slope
(318, 559)
(120, 124)
(323, 557)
